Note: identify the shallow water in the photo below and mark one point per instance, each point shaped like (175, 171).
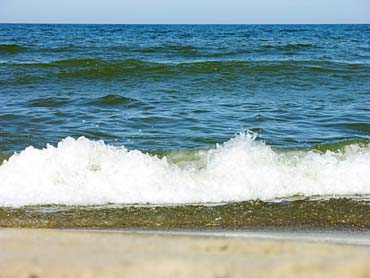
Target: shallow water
(301, 214)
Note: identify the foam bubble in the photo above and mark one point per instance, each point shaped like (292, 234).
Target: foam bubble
(84, 172)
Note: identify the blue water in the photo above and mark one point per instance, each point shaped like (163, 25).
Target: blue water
(166, 98)
(169, 87)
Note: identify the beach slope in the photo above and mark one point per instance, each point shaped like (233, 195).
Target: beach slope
(67, 253)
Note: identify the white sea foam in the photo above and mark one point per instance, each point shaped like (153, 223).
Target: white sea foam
(85, 172)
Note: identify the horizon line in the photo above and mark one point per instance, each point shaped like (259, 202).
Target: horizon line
(111, 23)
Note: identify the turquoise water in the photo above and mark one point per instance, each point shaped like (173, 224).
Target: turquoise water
(292, 103)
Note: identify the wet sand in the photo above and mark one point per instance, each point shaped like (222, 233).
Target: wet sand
(66, 253)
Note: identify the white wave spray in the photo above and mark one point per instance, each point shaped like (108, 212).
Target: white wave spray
(85, 172)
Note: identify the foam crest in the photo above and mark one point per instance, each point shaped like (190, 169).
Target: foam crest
(84, 172)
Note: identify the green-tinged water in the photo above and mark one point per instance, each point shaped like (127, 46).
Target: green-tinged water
(303, 214)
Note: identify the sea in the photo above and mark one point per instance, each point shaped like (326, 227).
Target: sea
(185, 126)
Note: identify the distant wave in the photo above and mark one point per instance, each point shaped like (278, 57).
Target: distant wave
(11, 48)
(183, 50)
(109, 100)
(187, 51)
(49, 102)
(88, 172)
(96, 68)
(287, 47)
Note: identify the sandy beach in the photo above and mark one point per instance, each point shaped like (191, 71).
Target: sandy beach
(72, 253)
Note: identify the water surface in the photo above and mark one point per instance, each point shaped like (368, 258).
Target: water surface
(221, 114)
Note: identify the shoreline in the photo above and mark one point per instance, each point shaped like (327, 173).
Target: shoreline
(341, 237)
(328, 214)
(107, 253)
(357, 237)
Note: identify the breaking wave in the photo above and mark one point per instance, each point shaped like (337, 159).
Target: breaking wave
(84, 172)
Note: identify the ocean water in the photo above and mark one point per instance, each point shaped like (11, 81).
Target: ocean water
(183, 114)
